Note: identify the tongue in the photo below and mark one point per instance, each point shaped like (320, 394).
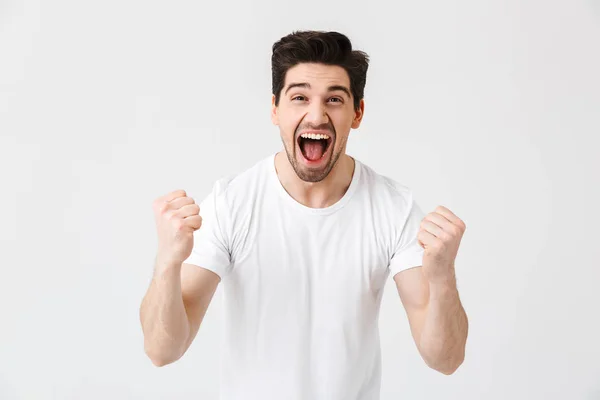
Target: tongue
(313, 150)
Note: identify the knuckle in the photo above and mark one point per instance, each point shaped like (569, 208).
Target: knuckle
(163, 207)
(179, 225)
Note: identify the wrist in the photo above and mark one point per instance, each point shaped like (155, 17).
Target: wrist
(166, 264)
(443, 288)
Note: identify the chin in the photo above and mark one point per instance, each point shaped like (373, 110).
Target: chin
(314, 172)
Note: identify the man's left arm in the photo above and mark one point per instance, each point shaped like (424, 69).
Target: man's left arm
(437, 319)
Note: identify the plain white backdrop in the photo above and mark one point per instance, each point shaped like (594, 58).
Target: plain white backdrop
(489, 108)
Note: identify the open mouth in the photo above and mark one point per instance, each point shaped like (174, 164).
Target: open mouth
(314, 146)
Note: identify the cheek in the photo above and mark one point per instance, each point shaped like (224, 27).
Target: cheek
(288, 124)
(342, 126)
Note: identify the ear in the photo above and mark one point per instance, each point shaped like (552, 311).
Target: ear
(358, 114)
(274, 116)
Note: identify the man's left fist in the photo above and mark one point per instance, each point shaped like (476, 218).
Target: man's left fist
(440, 234)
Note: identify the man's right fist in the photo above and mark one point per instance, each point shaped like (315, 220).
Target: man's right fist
(177, 217)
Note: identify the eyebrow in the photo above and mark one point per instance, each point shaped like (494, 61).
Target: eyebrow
(332, 88)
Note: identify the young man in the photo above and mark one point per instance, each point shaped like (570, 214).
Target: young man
(303, 243)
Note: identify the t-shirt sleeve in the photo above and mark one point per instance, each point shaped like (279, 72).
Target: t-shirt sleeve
(211, 249)
(408, 253)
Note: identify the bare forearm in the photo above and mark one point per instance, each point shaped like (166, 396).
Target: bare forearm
(163, 316)
(444, 335)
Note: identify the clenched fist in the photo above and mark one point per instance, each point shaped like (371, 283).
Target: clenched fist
(440, 234)
(177, 217)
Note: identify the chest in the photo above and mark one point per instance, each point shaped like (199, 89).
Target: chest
(347, 254)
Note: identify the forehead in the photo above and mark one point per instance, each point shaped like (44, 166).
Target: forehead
(318, 75)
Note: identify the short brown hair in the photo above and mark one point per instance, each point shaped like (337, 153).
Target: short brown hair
(330, 48)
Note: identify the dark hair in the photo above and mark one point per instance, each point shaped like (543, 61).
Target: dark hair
(330, 48)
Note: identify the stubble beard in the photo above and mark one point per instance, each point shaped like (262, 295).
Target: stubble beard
(310, 174)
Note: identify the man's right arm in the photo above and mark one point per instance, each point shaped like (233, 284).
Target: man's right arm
(173, 309)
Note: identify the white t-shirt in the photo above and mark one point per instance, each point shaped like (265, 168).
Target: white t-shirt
(302, 286)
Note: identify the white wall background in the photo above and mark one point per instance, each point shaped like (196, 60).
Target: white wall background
(491, 108)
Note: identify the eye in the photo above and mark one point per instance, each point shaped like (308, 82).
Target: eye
(298, 98)
(337, 99)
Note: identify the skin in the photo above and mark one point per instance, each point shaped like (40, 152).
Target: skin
(314, 97)
(311, 107)
(438, 322)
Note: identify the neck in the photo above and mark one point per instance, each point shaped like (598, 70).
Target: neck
(316, 194)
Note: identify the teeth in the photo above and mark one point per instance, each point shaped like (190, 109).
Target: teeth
(314, 136)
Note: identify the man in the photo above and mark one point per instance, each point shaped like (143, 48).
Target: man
(303, 243)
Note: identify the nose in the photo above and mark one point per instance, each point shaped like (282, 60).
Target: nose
(317, 114)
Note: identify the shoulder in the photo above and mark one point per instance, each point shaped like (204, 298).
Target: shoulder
(386, 191)
(235, 197)
(238, 192)
(241, 183)
(390, 204)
